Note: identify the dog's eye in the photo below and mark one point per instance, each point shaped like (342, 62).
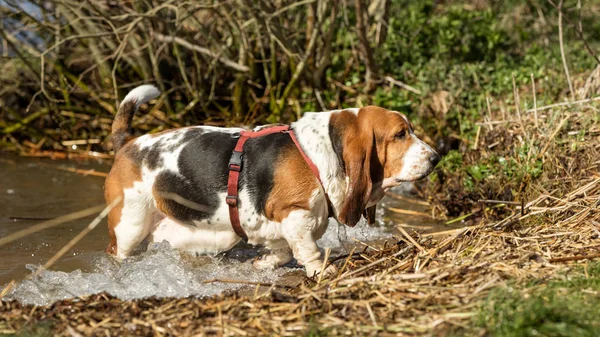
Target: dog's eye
(401, 134)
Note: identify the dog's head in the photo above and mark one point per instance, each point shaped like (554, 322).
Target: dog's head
(378, 150)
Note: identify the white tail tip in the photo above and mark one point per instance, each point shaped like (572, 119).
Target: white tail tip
(142, 94)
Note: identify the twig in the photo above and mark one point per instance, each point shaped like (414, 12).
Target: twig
(403, 85)
(534, 101)
(406, 211)
(300, 67)
(499, 202)
(407, 199)
(229, 63)
(81, 234)
(579, 32)
(320, 100)
(50, 223)
(286, 8)
(262, 284)
(517, 101)
(374, 263)
(560, 125)
(8, 287)
(413, 241)
(446, 232)
(574, 258)
(582, 101)
(562, 50)
(489, 110)
(80, 142)
(325, 262)
(476, 143)
(90, 172)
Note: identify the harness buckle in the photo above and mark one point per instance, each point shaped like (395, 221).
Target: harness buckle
(231, 200)
(235, 162)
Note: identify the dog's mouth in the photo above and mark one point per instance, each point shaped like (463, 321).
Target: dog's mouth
(421, 177)
(400, 181)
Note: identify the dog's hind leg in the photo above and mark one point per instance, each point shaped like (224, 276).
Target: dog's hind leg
(112, 190)
(137, 220)
(131, 220)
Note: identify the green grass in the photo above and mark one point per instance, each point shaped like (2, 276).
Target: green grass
(569, 306)
(38, 329)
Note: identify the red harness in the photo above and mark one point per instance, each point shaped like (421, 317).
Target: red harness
(235, 166)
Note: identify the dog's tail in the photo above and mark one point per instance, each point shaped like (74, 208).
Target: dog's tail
(121, 127)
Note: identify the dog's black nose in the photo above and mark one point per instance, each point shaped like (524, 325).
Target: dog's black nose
(435, 159)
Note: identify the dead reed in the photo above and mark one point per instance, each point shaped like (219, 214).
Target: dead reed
(422, 284)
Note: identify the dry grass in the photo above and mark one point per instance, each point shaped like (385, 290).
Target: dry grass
(428, 284)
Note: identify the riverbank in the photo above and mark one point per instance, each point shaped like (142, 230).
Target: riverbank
(417, 284)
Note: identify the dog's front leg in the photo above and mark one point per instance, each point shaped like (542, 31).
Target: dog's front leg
(298, 230)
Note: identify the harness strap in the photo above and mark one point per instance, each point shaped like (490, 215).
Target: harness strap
(235, 167)
(314, 168)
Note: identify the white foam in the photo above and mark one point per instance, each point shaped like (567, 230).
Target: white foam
(161, 271)
(165, 272)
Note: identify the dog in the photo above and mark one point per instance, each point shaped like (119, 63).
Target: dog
(173, 184)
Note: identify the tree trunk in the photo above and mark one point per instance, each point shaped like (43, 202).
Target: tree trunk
(364, 47)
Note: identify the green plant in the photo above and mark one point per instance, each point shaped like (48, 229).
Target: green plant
(568, 306)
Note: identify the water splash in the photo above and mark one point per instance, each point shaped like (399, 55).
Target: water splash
(164, 272)
(342, 238)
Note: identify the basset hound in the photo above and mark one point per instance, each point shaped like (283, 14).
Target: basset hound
(174, 183)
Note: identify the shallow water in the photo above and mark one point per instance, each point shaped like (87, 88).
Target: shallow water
(32, 190)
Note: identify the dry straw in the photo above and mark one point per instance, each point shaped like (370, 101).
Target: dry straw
(420, 284)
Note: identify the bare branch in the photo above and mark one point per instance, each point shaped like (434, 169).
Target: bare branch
(229, 63)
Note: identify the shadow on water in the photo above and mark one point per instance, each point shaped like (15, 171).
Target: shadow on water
(32, 190)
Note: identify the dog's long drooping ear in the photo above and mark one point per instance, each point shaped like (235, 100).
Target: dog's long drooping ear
(353, 142)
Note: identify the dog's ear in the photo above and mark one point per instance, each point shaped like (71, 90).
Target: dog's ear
(356, 156)
(369, 214)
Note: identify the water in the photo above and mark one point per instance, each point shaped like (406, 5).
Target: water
(33, 189)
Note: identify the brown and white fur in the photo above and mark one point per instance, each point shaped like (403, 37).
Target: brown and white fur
(174, 183)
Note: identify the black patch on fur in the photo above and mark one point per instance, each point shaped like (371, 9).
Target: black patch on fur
(202, 174)
(260, 158)
(150, 157)
(203, 171)
(169, 182)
